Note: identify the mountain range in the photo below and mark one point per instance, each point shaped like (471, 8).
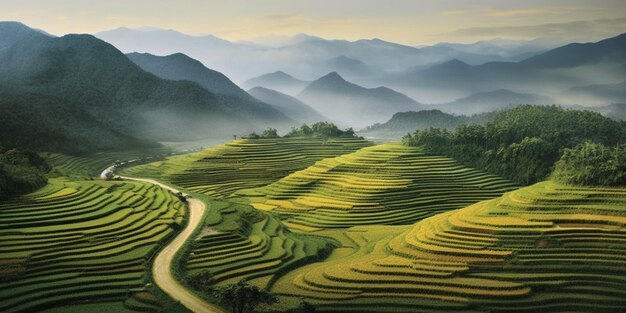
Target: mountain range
(301, 55)
(94, 97)
(549, 73)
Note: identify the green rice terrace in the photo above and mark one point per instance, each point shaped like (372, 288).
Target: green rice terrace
(79, 241)
(340, 223)
(383, 184)
(542, 248)
(245, 163)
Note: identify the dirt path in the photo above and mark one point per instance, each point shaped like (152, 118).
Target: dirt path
(161, 269)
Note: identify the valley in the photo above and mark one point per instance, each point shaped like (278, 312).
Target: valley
(259, 169)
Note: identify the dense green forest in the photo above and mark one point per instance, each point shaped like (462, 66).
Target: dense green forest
(40, 122)
(523, 143)
(21, 172)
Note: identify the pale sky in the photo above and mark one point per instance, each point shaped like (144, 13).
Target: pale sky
(404, 21)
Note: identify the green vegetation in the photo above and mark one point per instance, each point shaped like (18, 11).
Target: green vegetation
(383, 184)
(242, 297)
(21, 172)
(592, 164)
(547, 247)
(268, 133)
(523, 143)
(403, 122)
(76, 241)
(240, 164)
(321, 130)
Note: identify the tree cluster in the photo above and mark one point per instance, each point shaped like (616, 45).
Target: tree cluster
(21, 172)
(268, 133)
(523, 143)
(321, 130)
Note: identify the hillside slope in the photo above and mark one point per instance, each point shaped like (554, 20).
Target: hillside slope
(279, 81)
(403, 123)
(101, 86)
(491, 101)
(181, 67)
(290, 106)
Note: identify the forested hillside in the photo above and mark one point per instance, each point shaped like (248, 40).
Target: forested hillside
(84, 95)
(523, 143)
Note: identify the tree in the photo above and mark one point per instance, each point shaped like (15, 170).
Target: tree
(202, 281)
(592, 164)
(270, 133)
(321, 130)
(252, 135)
(243, 297)
(528, 161)
(21, 172)
(305, 307)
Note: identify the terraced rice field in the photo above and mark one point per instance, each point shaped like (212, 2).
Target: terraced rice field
(240, 164)
(384, 184)
(542, 248)
(238, 242)
(73, 246)
(91, 165)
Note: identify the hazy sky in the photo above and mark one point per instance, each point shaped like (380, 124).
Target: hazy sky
(404, 21)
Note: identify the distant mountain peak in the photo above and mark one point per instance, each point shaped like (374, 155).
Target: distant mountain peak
(332, 77)
(281, 74)
(455, 62)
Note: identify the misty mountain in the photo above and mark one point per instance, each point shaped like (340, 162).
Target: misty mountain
(353, 104)
(547, 73)
(490, 101)
(612, 50)
(344, 65)
(181, 67)
(279, 81)
(509, 50)
(290, 106)
(606, 92)
(403, 123)
(302, 55)
(89, 81)
(214, 52)
(616, 111)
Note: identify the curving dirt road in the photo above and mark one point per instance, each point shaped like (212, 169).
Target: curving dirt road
(161, 269)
